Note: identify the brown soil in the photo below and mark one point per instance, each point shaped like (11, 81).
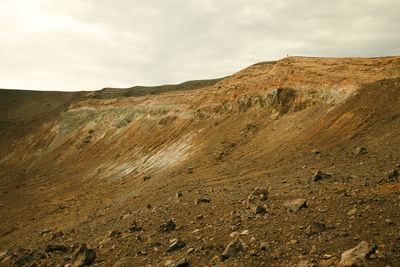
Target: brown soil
(89, 163)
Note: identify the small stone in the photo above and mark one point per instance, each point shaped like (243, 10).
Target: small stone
(183, 262)
(52, 248)
(234, 235)
(178, 195)
(389, 221)
(296, 204)
(258, 194)
(293, 242)
(57, 235)
(352, 212)
(380, 255)
(155, 244)
(259, 210)
(232, 250)
(215, 260)
(318, 176)
(177, 245)
(202, 200)
(361, 151)
(195, 231)
(169, 263)
(3, 253)
(315, 151)
(315, 228)
(45, 231)
(313, 249)
(135, 227)
(253, 252)
(328, 262)
(245, 232)
(305, 263)
(393, 175)
(83, 256)
(190, 251)
(357, 255)
(327, 256)
(264, 246)
(168, 226)
(146, 178)
(115, 234)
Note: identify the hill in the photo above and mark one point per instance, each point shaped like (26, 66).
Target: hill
(293, 161)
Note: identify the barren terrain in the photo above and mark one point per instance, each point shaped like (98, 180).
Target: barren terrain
(284, 163)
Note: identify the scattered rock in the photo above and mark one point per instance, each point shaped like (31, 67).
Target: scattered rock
(259, 210)
(264, 246)
(168, 226)
(258, 194)
(155, 244)
(202, 200)
(357, 255)
(393, 175)
(234, 235)
(183, 262)
(45, 231)
(390, 222)
(29, 257)
(57, 235)
(245, 232)
(328, 262)
(52, 248)
(4, 253)
(233, 249)
(352, 212)
(318, 176)
(215, 260)
(315, 228)
(115, 234)
(296, 204)
(305, 263)
(169, 263)
(316, 151)
(177, 245)
(135, 227)
(361, 150)
(83, 256)
(190, 251)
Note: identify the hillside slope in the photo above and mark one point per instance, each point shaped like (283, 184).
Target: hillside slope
(110, 169)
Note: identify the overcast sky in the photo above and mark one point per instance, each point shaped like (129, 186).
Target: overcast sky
(91, 44)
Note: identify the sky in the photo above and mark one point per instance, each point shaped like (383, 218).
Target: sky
(92, 44)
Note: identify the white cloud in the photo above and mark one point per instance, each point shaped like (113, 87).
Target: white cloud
(88, 44)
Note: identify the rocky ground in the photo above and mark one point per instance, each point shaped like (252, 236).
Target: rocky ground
(286, 163)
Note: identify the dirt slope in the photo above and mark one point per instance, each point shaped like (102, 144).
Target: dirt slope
(105, 168)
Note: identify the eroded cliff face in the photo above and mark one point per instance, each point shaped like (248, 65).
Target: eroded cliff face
(76, 159)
